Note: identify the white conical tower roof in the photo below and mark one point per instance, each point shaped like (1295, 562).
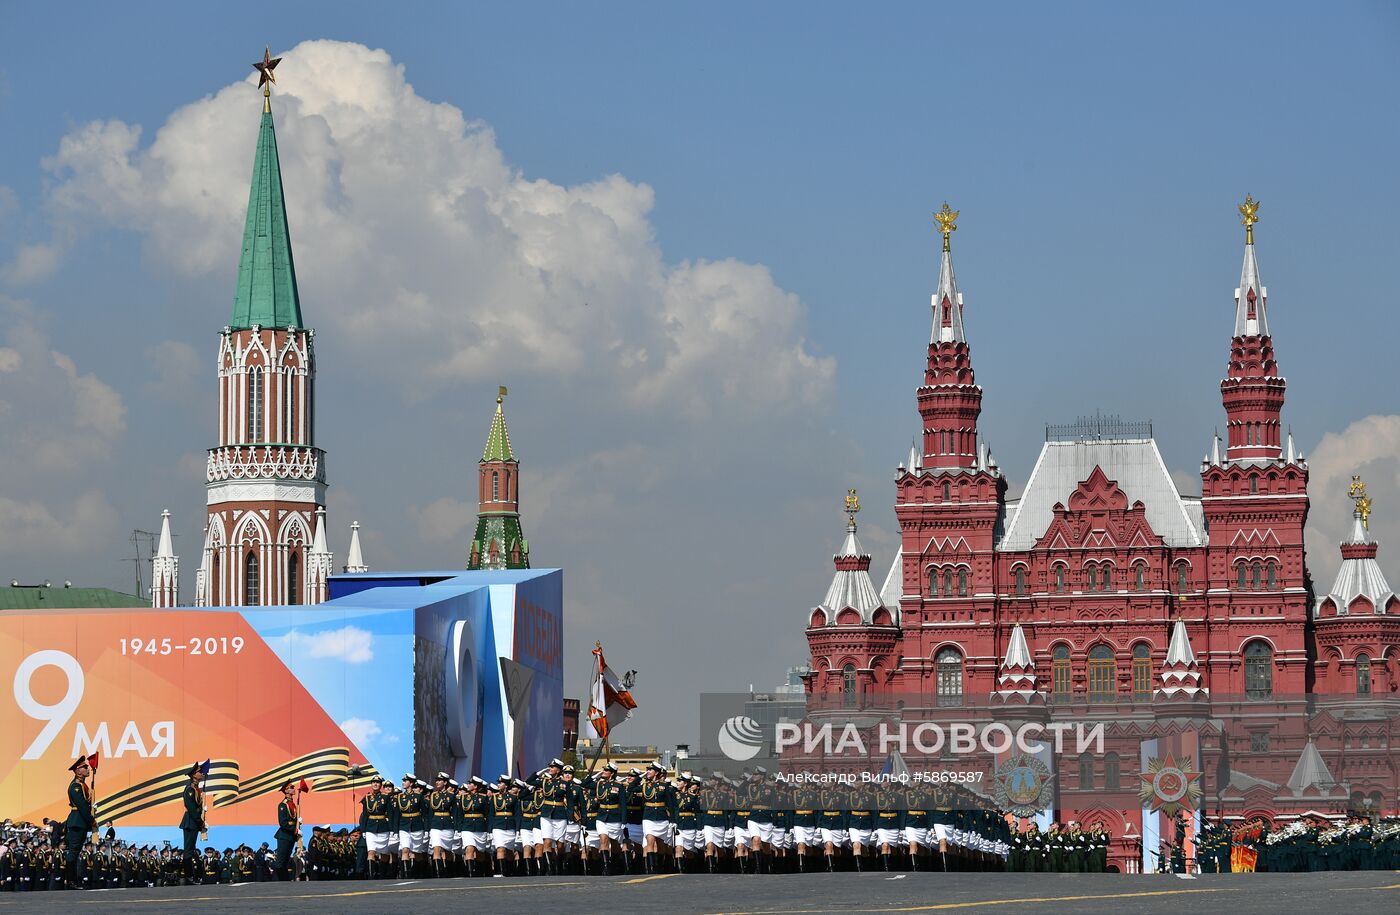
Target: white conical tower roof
(1017, 668)
(1359, 575)
(851, 587)
(1251, 319)
(947, 301)
(355, 560)
(318, 539)
(1181, 677)
(166, 549)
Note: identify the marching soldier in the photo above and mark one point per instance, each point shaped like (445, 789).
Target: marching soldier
(441, 824)
(288, 829)
(193, 821)
(473, 829)
(374, 822)
(80, 822)
(657, 798)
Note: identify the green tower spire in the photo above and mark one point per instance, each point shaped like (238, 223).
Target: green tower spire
(499, 543)
(498, 439)
(267, 281)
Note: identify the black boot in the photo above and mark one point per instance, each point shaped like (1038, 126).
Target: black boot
(885, 860)
(859, 869)
(831, 864)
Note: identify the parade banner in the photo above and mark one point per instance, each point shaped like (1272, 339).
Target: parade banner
(396, 673)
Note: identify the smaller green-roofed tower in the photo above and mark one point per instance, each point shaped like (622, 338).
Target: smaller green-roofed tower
(499, 542)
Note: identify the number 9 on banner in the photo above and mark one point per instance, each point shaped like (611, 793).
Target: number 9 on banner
(58, 714)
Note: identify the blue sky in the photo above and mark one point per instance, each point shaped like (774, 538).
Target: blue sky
(727, 166)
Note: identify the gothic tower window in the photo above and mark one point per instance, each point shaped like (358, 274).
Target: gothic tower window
(1105, 577)
(1243, 576)
(947, 492)
(255, 404)
(1142, 672)
(216, 584)
(1060, 670)
(932, 582)
(1182, 570)
(848, 686)
(1258, 670)
(1363, 675)
(1255, 576)
(1139, 577)
(948, 582)
(1270, 575)
(950, 677)
(1059, 579)
(1112, 772)
(962, 582)
(495, 486)
(250, 579)
(1020, 574)
(292, 596)
(1093, 574)
(1103, 672)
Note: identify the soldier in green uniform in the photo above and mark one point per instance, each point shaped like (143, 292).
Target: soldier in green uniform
(193, 821)
(288, 830)
(80, 822)
(611, 797)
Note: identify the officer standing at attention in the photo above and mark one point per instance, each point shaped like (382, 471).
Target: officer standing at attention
(193, 820)
(80, 820)
(288, 829)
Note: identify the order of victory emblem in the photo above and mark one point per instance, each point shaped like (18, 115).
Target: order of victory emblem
(1023, 785)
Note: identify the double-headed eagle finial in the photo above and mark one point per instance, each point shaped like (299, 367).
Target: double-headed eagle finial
(852, 505)
(947, 219)
(1357, 493)
(1249, 213)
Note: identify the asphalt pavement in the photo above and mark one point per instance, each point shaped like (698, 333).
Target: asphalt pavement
(792, 894)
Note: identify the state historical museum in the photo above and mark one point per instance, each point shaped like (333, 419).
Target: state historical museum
(1103, 586)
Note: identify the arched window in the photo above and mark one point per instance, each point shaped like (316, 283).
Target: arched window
(1059, 579)
(1103, 672)
(948, 582)
(495, 486)
(250, 580)
(1363, 675)
(1093, 573)
(950, 676)
(1105, 577)
(848, 686)
(1112, 772)
(1142, 672)
(1182, 570)
(255, 404)
(1258, 670)
(962, 582)
(1139, 577)
(1060, 670)
(1254, 572)
(1086, 772)
(216, 584)
(1270, 576)
(1020, 574)
(292, 578)
(932, 582)
(1253, 485)
(947, 491)
(1243, 577)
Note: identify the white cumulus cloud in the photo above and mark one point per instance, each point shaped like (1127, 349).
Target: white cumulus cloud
(350, 644)
(1369, 447)
(414, 233)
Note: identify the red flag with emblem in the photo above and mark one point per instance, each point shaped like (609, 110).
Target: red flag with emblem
(611, 702)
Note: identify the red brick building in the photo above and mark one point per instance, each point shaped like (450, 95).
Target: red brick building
(1097, 561)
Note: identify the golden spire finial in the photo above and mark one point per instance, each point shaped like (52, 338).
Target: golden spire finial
(947, 219)
(500, 397)
(852, 505)
(1249, 210)
(1357, 493)
(266, 76)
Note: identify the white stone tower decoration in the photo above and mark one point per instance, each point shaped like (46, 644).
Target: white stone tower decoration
(355, 560)
(165, 568)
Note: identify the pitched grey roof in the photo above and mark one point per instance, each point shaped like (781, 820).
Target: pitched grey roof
(1179, 650)
(893, 588)
(1310, 772)
(947, 289)
(1134, 464)
(1018, 655)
